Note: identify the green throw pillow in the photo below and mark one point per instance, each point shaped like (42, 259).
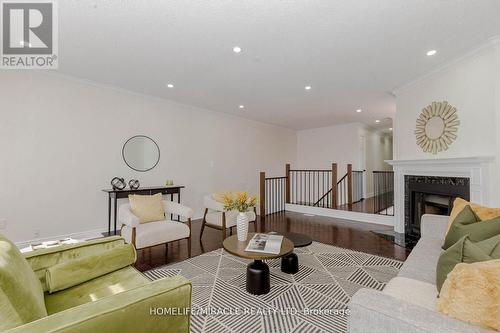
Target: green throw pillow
(468, 252)
(21, 294)
(467, 223)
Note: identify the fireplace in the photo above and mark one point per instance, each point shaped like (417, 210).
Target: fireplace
(430, 195)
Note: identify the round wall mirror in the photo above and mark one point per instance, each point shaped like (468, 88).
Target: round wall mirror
(141, 153)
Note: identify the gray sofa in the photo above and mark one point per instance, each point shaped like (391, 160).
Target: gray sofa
(408, 302)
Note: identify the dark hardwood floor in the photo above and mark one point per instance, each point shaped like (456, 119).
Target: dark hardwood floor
(343, 233)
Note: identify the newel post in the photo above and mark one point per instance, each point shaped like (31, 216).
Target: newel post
(349, 185)
(287, 183)
(262, 194)
(334, 186)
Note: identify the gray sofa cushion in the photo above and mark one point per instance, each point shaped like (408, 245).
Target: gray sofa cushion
(421, 263)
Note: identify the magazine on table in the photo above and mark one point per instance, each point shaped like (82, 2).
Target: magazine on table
(265, 243)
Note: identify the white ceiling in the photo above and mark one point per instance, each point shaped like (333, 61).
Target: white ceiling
(352, 53)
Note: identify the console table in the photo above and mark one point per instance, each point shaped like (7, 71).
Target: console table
(114, 195)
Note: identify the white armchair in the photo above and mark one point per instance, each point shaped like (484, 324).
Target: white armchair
(218, 218)
(143, 235)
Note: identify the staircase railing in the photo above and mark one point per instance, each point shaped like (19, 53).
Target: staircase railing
(310, 187)
(383, 192)
(349, 190)
(272, 194)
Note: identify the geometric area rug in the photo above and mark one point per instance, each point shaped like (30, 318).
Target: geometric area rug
(312, 300)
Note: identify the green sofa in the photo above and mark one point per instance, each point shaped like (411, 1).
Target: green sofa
(82, 288)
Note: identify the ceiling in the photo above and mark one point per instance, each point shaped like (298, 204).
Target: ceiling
(351, 53)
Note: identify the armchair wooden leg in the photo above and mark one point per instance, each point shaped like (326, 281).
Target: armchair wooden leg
(166, 251)
(202, 228)
(189, 247)
(223, 233)
(203, 222)
(230, 231)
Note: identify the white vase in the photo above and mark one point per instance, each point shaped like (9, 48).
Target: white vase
(242, 226)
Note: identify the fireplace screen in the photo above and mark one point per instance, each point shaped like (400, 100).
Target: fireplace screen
(430, 195)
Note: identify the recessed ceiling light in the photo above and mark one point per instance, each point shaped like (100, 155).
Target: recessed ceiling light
(170, 85)
(236, 49)
(241, 106)
(307, 87)
(358, 110)
(377, 121)
(431, 52)
(390, 128)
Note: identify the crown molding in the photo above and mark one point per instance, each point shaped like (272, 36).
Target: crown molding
(489, 43)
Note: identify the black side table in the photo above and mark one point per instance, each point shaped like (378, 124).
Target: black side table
(290, 263)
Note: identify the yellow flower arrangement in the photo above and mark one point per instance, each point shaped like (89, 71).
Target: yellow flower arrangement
(240, 201)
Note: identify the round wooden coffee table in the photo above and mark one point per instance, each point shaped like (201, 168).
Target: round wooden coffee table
(258, 277)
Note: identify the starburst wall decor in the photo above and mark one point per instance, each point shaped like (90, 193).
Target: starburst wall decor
(437, 127)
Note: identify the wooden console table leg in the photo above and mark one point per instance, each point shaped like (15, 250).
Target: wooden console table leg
(115, 214)
(172, 199)
(109, 215)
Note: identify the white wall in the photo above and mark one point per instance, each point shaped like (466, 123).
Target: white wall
(318, 148)
(61, 141)
(378, 148)
(472, 85)
(352, 143)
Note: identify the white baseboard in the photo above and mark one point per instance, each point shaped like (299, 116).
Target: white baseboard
(342, 214)
(77, 235)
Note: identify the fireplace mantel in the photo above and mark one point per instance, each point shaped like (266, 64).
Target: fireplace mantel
(443, 161)
(476, 168)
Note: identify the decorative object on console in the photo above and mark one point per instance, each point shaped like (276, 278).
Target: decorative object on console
(169, 182)
(437, 127)
(141, 153)
(241, 202)
(118, 183)
(134, 184)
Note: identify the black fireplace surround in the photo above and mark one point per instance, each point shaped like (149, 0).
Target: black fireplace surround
(429, 194)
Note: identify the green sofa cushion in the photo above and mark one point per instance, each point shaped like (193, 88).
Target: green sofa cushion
(21, 294)
(127, 278)
(468, 223)
(468, 252)
(74, 272)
